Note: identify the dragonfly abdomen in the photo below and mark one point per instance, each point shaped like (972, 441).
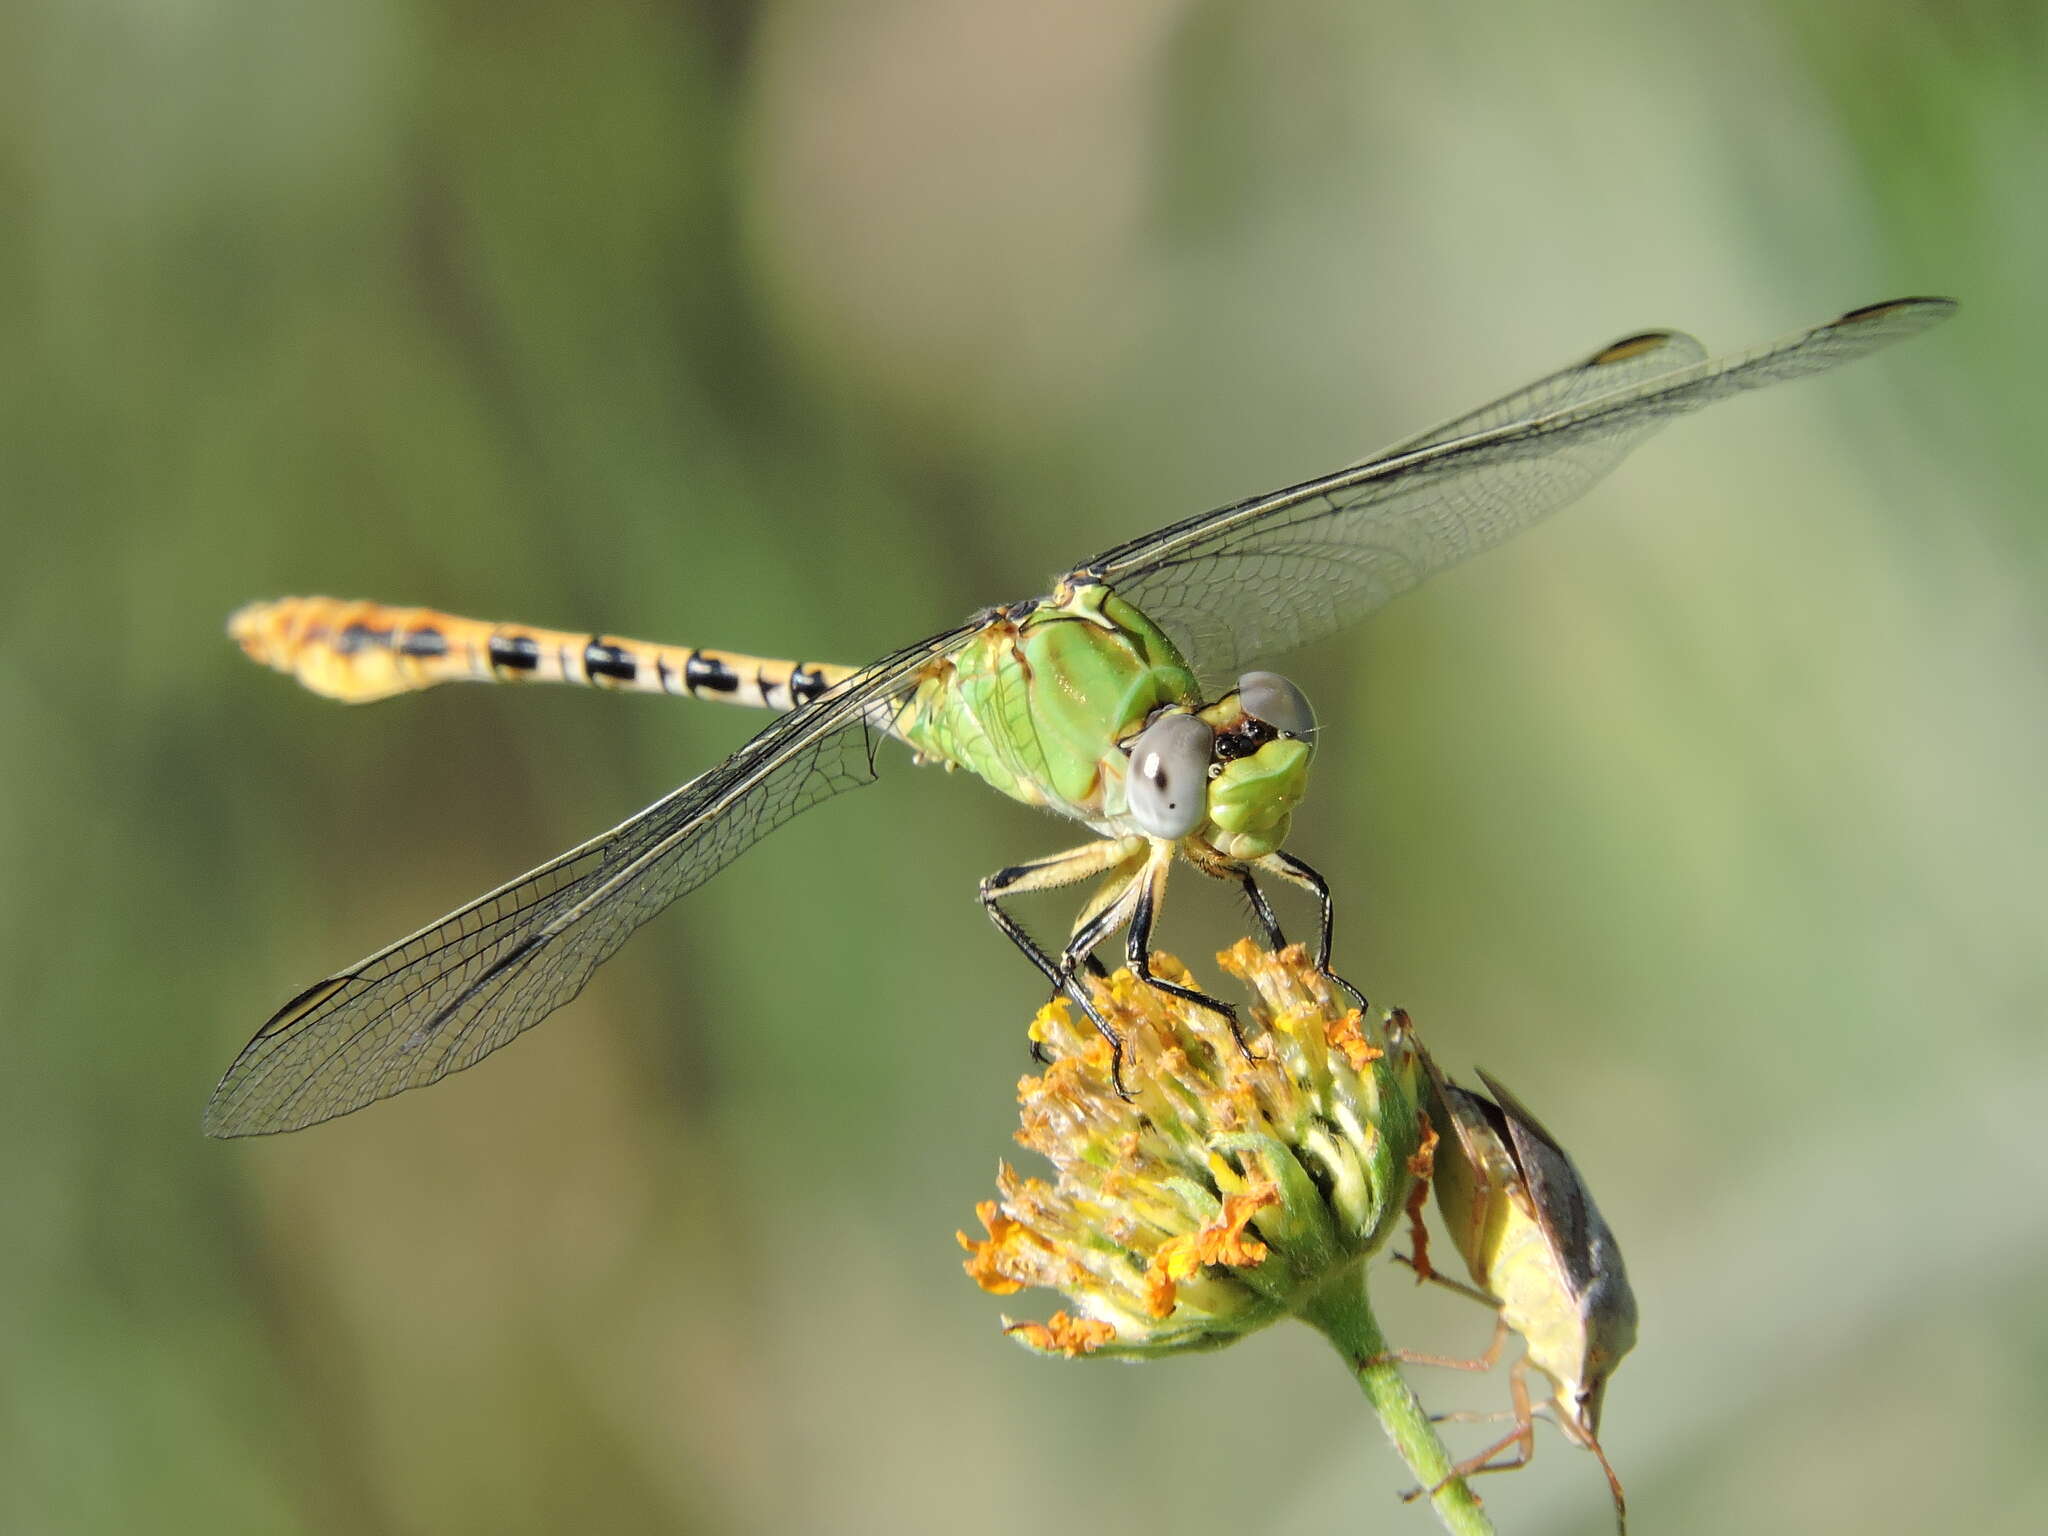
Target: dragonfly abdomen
(359, 651)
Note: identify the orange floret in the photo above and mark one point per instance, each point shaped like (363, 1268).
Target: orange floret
(1222, 1241)
(1347, 1035)
(1010, 1248)
(1062, 1334)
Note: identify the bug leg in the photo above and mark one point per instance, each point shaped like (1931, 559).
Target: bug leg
(1149, 886)
(1522, 1437)
(1286, 866)
(1437, 1277)
(1613, 1487)
(1485, 1362)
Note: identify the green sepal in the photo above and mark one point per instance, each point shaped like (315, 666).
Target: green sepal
(1398, 1123)
(1299, 1229)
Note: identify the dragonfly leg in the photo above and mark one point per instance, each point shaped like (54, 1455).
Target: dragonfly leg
(1262, 911)
(1149, 887)
(1062, 869)
(1100, 972)
(1108, 910)
(1287, 867)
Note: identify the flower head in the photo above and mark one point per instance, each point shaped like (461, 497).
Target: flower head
(1224, 1184)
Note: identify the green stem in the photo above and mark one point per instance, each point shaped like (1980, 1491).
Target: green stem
(1339, 1311)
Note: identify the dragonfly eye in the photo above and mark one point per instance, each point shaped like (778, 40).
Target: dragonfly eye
(1167, 791)
(1270, 697)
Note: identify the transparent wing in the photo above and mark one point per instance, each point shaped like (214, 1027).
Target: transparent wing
(1266, 575)
(1620, 365)
(454, 992)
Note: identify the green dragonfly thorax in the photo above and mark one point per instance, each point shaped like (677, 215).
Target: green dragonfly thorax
(1036, 699)
(1044, 701)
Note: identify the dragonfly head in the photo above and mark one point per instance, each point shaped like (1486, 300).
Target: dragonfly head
(1232, 771)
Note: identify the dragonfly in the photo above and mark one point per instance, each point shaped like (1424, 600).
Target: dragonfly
(1129, 699)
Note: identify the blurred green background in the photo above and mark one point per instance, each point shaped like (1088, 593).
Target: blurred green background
(1709, 817)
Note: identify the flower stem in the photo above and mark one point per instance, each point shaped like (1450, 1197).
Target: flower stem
(1339, 1311)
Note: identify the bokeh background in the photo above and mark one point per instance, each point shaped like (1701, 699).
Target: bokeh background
(1709, 816)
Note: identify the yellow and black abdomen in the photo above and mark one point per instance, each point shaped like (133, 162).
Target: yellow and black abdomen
(359, 651)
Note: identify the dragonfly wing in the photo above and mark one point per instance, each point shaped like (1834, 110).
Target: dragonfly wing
(452, 993)
(1263, 576)
(1618, 365)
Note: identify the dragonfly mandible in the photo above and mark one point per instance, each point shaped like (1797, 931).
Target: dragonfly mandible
(1125, 700)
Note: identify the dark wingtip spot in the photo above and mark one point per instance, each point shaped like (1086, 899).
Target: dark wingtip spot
(1629, 347)
(303, 1004)
(1933, 306)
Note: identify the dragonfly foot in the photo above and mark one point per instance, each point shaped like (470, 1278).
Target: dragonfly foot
(1356, 996)
(1073, 988)
(1201, 999)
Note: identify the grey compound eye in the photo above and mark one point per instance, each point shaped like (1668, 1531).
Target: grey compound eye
(1270, 697)
(1168, 789)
